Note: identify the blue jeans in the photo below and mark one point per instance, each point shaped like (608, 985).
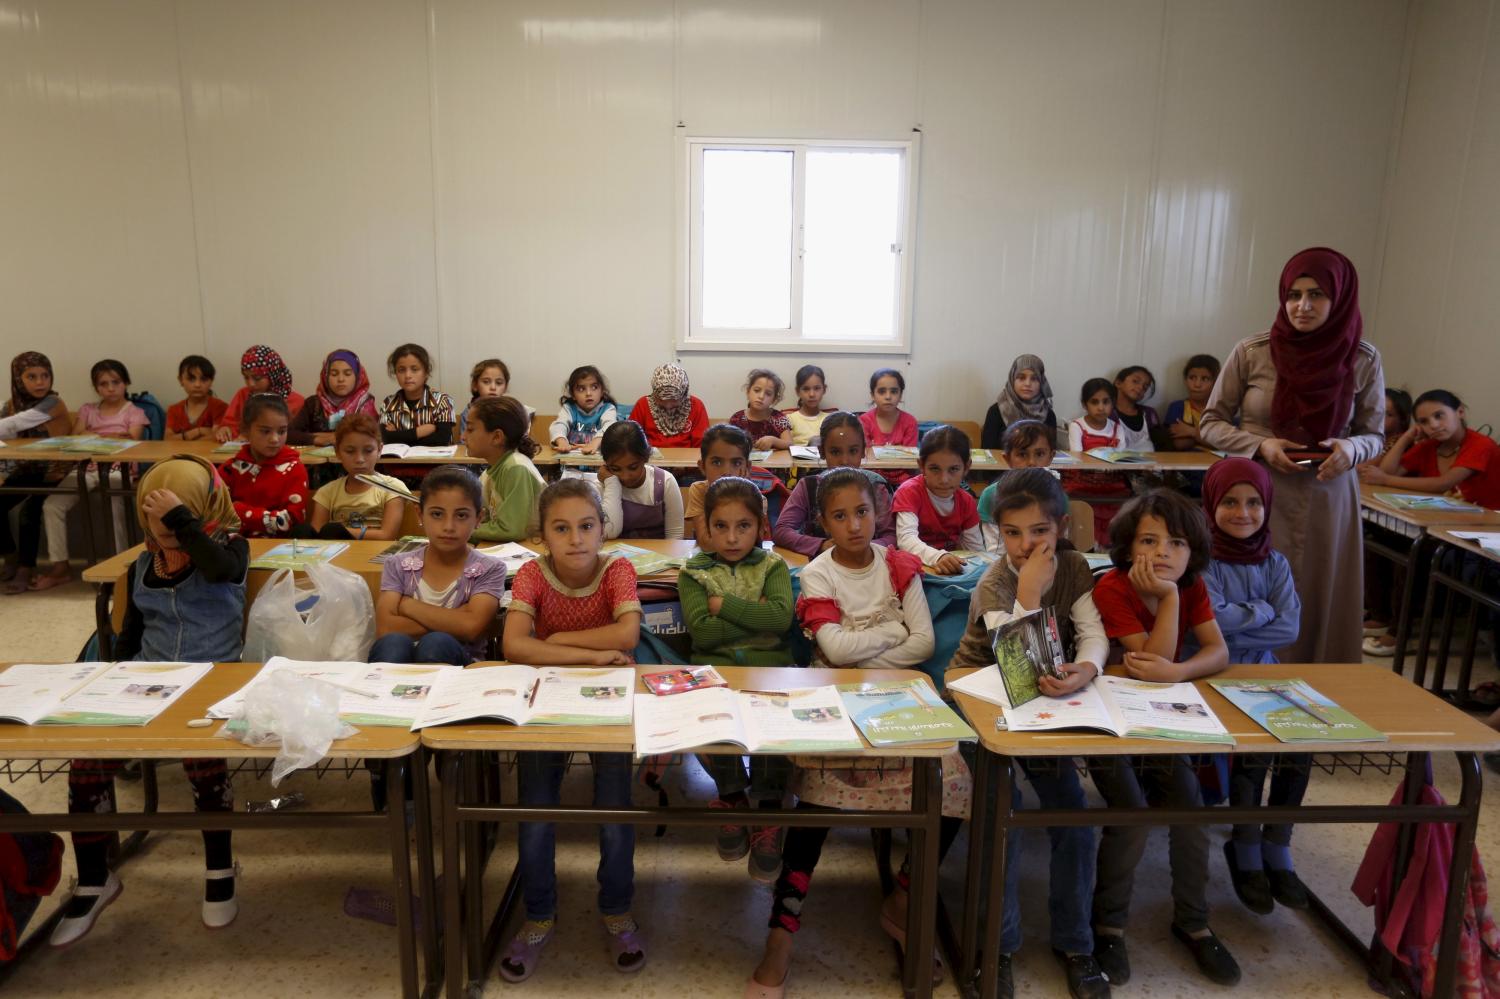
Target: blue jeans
(539, 778)
(433, 647)
(1070, 888)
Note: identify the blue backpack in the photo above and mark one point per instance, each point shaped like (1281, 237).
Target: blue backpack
(156, 416)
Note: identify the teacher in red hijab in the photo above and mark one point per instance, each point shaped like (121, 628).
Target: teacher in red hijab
(1307, 398)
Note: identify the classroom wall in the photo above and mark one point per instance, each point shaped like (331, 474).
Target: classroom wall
(1103, 181)
(1439, 303)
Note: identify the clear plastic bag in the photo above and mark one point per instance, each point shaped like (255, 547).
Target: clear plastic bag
(333, 621)
(300, 714)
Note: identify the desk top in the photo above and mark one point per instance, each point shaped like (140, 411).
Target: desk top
(356, 558)
(169, 738)
(1412, 719)
(1426, 519)
(495, 736)
(1447, 536)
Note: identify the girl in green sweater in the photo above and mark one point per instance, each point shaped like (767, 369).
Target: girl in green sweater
(498, 431)
(737, 602)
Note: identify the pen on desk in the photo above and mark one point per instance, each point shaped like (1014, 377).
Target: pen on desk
(353, 690)
(531, 698)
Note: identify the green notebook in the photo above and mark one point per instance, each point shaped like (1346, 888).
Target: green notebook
(900, 712)
(1294, 712)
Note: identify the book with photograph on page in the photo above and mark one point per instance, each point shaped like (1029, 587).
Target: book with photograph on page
(787, 721)
(680, 681)
(30, 692)
(528, 695)
(1118, 705)
(1026, 649)
(378, 695)
(126, 694)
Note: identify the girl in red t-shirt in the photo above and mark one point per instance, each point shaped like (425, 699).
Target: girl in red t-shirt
(1439, 454)
(1160, 544)
(935, 513)
(573, 607)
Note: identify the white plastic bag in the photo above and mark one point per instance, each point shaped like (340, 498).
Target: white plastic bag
(298, 713)
(335, 622)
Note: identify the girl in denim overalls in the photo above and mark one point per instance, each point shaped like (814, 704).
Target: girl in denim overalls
(187, 604)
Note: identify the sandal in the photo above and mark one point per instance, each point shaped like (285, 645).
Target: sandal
(524, 953)
(20, 582)
(898, 933)
(627, 949)
(48, 580)
(1486, 695)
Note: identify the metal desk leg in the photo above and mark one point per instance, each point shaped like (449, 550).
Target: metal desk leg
(103, 625)
(395, 775)
(453, 930)
(1416, 563)
(1466, 663)
(474, 864)
(88, 513)
(921, 902)
(432, 960)
(989, 966)
(973, 939)
(1419, 674)
(1458, 875)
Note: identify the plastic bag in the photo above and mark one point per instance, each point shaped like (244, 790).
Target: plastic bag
(298, 713)
(334, 621)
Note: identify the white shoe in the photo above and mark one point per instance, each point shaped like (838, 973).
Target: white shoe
(72, 929)
(217, 915)
(1373, 646)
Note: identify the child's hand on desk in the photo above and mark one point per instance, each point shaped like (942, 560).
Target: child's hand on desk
(561, 445)
(222, 434)
(1372, 475)
(1149, 666)
(1146, 582)
(592, 446)
(1182, 432)
(159, 502)
(949, 565)
(611, 657)
(1076, 677)
(767, 443)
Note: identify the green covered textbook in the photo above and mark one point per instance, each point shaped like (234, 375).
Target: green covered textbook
(898, 712)
(1294, 712)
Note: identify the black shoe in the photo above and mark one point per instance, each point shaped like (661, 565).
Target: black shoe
(1005, 984)
(1085, 978)
(1288, 889)
(1213, 958)
(1113, 957)
(1252, 887)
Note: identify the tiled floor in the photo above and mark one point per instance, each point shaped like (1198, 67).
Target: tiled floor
(704, 919)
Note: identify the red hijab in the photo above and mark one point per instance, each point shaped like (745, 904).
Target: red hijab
(1223, 476)
(1315, 369)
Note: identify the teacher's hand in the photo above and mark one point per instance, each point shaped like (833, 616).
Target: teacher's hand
(1337, 463)
(1273, 450)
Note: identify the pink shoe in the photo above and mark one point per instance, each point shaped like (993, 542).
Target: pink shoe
(524, 952)
(755, 990)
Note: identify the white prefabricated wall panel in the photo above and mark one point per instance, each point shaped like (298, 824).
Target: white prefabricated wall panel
(1440, 297)
(1103, 182)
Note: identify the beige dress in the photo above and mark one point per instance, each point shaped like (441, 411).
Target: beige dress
(1316, 525)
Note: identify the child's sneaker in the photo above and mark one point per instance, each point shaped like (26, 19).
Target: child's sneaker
(625, 944)
(733, 841)
(765, 853)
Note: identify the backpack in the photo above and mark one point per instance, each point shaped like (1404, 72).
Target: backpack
(30, 866)
(156, 416)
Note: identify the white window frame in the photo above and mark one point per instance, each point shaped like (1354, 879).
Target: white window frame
(690, 332)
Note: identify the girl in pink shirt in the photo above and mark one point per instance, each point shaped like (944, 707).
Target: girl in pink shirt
(112, 416)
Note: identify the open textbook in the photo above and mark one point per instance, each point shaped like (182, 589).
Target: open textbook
(792, 721)
(1120, 456)
(1118, 705)
(418, 451)
(299, 554)
(94, 693)
(80, 444)
(643, 560)
(1427, 502)
(527, 695)
(388, 695)
(576, 457)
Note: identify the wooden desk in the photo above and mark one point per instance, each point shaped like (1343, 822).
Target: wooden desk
(467, 805)
(1416, 525)
(169, 738)
(1416, 724)
(1479, 590)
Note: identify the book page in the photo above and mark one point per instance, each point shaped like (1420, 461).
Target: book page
(583, 697)
(431, 451)
(333, 672)
(1163, 711)
(388, 694)
(128, 694)
(812, 720)
(486, 692)
(687, 721)
(30, 692)
(514, 555)
(1085, 708)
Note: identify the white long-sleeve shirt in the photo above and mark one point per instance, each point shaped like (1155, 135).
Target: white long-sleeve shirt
(1112, 428)
(877, 629)
(1090, 643)
(645, 494)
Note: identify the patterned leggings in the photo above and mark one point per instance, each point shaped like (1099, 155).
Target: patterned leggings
(800, 853)
(91, 788)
